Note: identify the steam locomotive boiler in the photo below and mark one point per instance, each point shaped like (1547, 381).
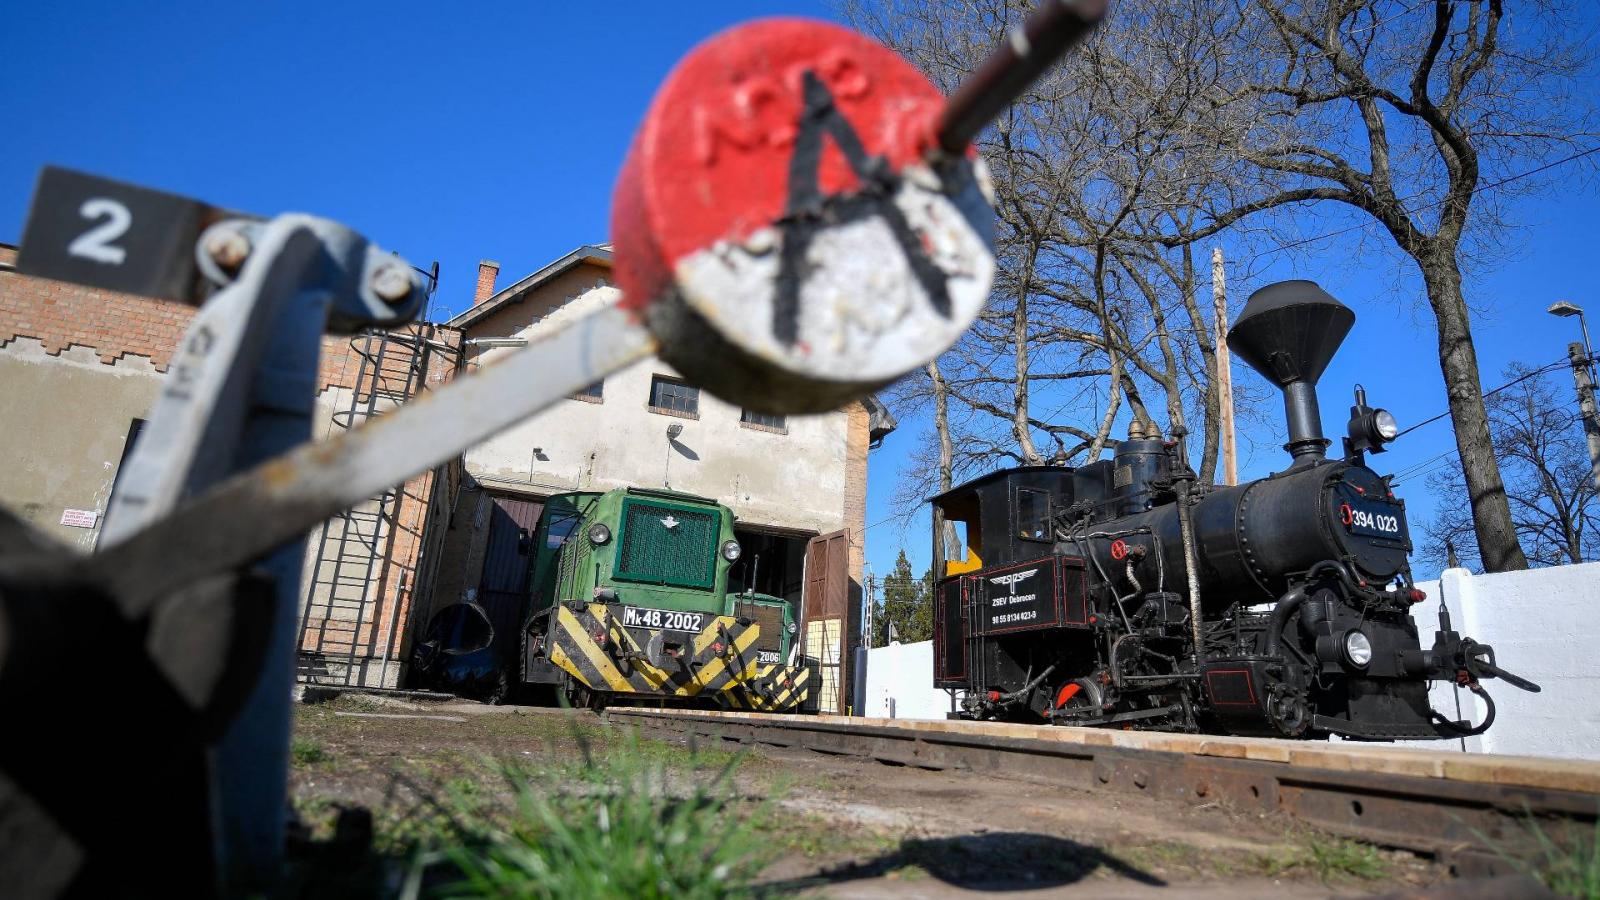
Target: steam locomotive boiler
(1123, 593)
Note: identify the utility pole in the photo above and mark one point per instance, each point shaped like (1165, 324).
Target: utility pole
(871, 624)
(1586, 405)
(1219, 296)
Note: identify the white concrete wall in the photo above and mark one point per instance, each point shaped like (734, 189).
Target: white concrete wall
(1544, 625)
(794, 480)
(900, 683)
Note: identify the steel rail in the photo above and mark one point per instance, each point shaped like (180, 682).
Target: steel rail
(1474, 813)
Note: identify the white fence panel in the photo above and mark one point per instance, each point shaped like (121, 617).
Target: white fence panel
(1544, 625)
(900, 683)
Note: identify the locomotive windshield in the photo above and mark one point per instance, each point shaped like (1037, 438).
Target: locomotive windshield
(562, 525)
(1033, 515)
(563, 513)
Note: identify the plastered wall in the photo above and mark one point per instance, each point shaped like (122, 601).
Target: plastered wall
(795, 480)
(64, 421)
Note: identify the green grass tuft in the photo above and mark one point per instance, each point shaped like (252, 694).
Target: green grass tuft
(1328, 858)
(306, 752)
(1570, 866)
(632, 825)
(1338, 857)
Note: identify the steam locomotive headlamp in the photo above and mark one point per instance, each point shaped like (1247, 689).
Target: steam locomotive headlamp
(731, 551)
(599, 534)
(1369, 429)
(1357, 648)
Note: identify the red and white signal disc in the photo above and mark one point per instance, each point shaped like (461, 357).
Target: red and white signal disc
(779, 227)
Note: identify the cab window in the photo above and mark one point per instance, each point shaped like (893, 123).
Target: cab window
(1033, 515)
(962, 541)
(561, 529)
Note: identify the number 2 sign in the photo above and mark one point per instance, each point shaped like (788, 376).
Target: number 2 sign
(102, 233)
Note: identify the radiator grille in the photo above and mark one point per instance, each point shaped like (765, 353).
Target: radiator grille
(668, 545)
(770, 618)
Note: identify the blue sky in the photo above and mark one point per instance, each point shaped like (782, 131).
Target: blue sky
(459, 132)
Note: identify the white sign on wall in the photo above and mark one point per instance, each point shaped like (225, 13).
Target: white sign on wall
(80, 518)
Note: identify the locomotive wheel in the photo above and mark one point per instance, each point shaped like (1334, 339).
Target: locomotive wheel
(576, 695)
(580, 697)
(1079, 699)
(1289, 712)
(500, 692)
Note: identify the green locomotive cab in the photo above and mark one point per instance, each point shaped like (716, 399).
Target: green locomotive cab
(629, 599)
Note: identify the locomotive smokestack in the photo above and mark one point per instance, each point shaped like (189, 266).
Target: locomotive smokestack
(1288, 332)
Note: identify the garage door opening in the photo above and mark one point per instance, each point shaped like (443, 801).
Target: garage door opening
(772, 564)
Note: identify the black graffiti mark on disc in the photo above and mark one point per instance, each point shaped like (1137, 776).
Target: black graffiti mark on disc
(809, 211)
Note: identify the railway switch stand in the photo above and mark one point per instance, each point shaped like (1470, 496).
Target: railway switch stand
(789, 240)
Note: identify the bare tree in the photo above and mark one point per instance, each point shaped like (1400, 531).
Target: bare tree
(1539, 441)
(1092, 315)
(1404, 113)
(1184, 119)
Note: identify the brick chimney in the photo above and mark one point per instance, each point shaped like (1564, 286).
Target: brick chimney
(488, 270)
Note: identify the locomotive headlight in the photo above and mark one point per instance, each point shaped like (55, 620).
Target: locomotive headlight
(1369, 429)
(1357, 648)
(599, 534)
(731, 551)
(1384, 426)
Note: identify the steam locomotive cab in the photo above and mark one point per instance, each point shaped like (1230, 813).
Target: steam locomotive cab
(1124, 593)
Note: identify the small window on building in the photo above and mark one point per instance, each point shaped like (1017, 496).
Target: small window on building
(671, 396)
(763, 421)
(594, 393)
(1033, 515)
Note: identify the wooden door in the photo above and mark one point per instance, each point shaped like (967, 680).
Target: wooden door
(507, 566)
(824, 616)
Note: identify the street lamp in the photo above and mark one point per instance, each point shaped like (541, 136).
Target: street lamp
(1566, 309)
(1585, 380)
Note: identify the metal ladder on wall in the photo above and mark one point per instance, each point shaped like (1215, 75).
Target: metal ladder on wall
(339, 628)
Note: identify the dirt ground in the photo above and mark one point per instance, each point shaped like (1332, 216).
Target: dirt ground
(839, 827)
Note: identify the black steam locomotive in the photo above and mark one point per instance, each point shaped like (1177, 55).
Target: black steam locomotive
(1123, 593)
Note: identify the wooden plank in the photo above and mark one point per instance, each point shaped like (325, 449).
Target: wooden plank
(1531, 772)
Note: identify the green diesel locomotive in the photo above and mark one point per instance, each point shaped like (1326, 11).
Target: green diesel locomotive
(629, 600)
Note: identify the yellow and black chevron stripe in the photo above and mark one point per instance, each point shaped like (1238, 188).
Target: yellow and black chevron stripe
(773, 688)
(717, 658)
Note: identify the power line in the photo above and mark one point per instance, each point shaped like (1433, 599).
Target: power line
(1493, 185)
(1368, 222)
(1487, 394)
(1442, 461)
(1413, 469)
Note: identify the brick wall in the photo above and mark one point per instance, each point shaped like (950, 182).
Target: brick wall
(62, 316)
(858, 435)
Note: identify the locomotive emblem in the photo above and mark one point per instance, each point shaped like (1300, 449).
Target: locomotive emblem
(1012, 579)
